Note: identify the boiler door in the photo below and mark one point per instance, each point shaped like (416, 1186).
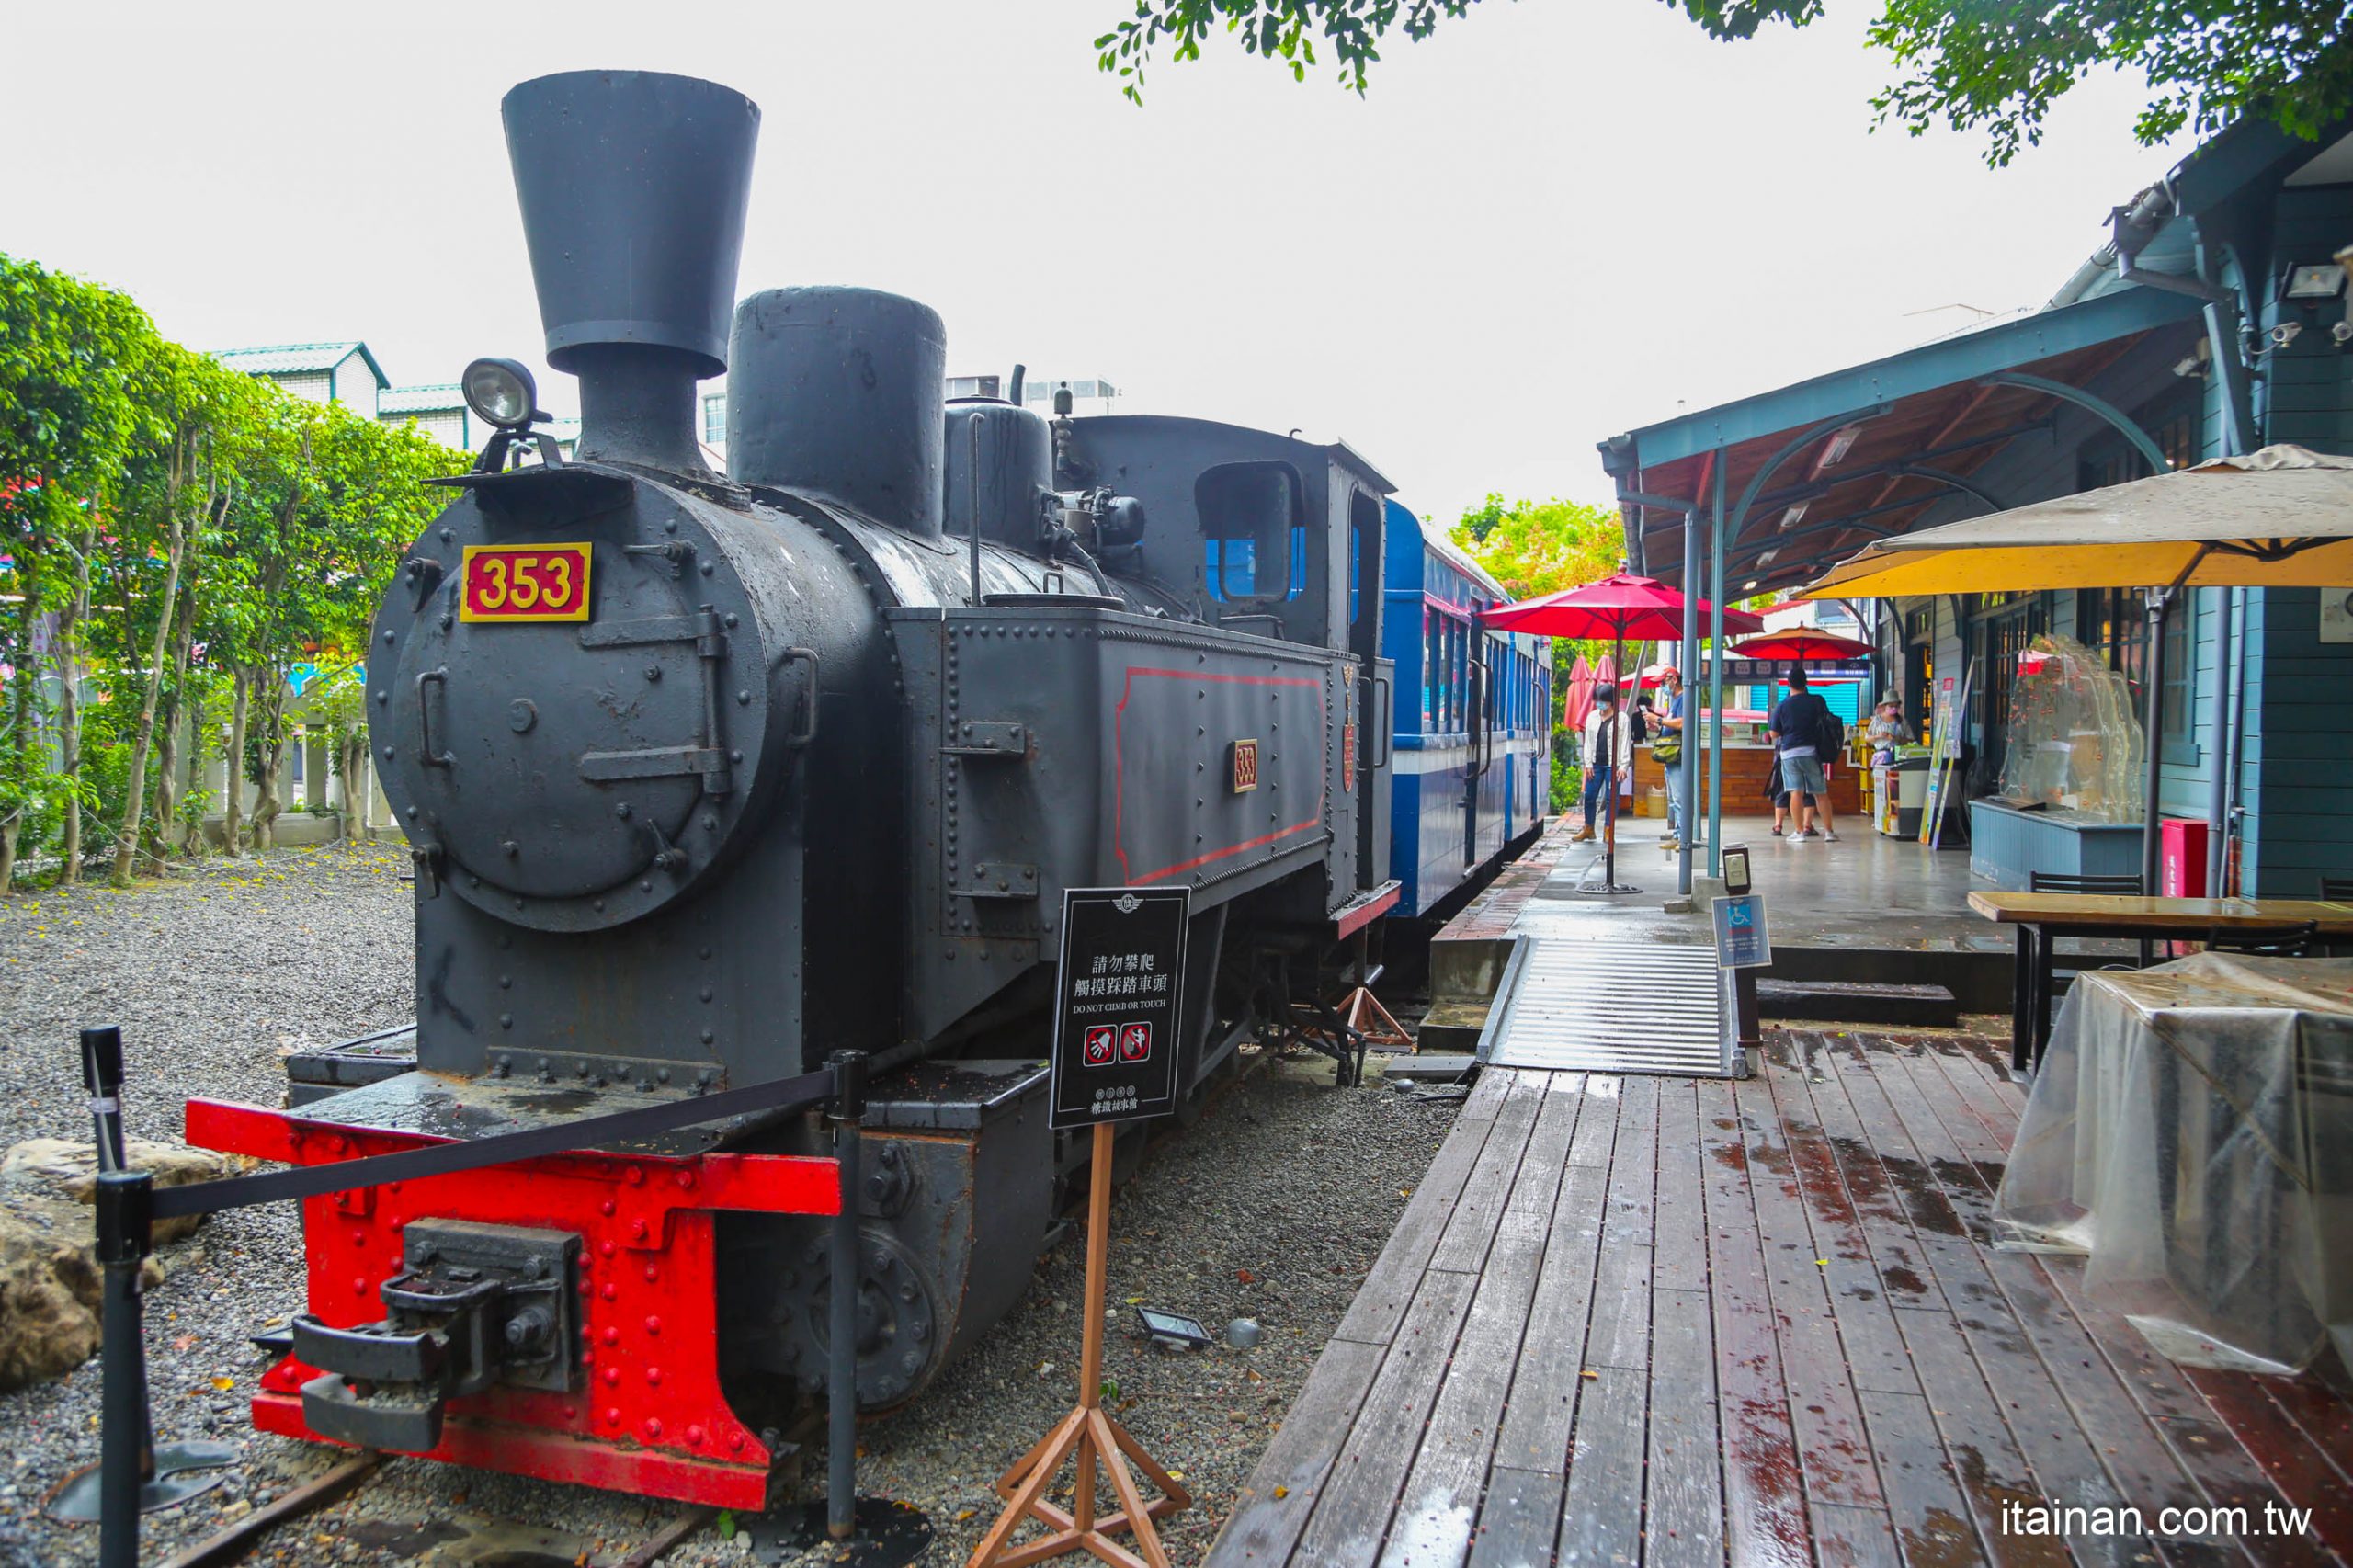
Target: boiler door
(574, 774)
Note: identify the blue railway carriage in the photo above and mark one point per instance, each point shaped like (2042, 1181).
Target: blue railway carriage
(1472, 709)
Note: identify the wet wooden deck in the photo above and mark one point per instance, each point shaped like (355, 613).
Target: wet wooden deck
(1654, 1320)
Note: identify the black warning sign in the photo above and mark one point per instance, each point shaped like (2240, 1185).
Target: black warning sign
(1121, 995)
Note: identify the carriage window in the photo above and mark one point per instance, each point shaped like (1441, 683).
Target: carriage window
(1433, 676)
(1457, 674)
(1253, 531)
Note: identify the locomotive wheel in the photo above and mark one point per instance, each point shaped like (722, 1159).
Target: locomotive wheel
(897, 1328)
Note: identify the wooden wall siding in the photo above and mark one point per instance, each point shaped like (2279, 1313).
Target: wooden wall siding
(2298, 783)
(2298, 789)
(1652, 1320)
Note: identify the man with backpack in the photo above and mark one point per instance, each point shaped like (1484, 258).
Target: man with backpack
(1806, 734)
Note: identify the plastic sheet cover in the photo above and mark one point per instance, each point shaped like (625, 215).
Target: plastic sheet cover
(2190, 1130)
(2074, 742)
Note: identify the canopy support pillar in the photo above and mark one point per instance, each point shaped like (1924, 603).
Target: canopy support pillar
(1716, 676)
(1679, 787)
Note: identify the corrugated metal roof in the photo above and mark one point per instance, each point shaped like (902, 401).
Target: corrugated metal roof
(442, 397)
(298, 359)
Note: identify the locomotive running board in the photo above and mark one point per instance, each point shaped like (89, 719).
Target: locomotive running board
(647, 1415)
(1604, 1007)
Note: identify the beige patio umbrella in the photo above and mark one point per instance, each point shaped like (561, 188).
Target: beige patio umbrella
(2281, 518)
(2278, 517)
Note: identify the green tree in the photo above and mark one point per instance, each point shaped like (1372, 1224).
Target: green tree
(179, 479)
(1541, 547)
(1971, 64)
(325, 505)
(70, 354)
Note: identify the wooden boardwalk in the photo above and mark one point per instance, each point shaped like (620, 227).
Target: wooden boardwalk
(1659, 1320)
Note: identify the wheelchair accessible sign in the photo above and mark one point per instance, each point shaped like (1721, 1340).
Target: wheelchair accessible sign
(1741, 940)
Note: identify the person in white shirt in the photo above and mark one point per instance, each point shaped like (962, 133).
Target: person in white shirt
(1610, 732)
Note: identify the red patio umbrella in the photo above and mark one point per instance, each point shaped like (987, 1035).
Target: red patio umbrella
(1620, 606)
(1801, 643)
(1578, 697)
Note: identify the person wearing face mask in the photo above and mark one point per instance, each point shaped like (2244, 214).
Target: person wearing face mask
(1606, 754)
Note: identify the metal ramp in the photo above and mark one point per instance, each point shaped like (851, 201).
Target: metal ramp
(1574, 1005)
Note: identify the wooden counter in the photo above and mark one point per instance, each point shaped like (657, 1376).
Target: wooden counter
(1746, 769)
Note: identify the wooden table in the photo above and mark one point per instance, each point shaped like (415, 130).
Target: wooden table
(2042, 917)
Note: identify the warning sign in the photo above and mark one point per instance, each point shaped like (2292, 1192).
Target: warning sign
(1120, 999)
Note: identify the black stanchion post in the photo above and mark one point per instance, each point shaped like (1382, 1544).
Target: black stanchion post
(841, 1395)
(125, 1200)
(160, 1477)
(855, 1532)
(102, 1077)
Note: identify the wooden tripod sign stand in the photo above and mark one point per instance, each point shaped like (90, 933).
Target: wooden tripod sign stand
(1090, 1435)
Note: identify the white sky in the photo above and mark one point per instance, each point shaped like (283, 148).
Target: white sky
(1554, 221)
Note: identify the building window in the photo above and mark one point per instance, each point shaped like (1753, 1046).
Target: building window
(2114, 623)
(714, 421)
(2173, 711)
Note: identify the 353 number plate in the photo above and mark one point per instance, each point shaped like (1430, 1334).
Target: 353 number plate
(523, 582)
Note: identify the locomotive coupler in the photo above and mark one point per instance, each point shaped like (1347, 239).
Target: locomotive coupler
(474, 1304)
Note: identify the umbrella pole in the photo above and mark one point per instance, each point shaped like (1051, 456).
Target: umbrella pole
(1610, 732)
(2152, 717)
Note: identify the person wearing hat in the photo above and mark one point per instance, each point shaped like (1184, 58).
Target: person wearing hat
(1666, 746)
(1887, 730)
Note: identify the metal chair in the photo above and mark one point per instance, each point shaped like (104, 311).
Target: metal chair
(2121, 885)
(2267, 941)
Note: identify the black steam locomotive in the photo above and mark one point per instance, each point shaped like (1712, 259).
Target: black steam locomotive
(708, 776)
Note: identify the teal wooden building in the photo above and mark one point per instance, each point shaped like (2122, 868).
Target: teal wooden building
(2217, 319)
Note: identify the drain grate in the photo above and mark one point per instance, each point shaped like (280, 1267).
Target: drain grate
(1598, 1007)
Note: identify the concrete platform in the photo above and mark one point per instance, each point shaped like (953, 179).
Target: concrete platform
(1865, 910)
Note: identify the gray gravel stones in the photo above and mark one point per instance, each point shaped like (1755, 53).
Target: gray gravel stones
(1272, 1207)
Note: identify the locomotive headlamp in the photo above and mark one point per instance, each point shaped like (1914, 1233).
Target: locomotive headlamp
(503, 393)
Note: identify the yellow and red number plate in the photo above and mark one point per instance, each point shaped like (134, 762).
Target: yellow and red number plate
(1246, 765)
(523, 582)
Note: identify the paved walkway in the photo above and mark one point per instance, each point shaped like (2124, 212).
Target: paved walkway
(1654, 1320)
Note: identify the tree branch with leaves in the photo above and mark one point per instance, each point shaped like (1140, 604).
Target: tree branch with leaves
(1979, 64)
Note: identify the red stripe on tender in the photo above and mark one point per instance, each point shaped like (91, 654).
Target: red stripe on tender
(1119, 772)
(1259, 842)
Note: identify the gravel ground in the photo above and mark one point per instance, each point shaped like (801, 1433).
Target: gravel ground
(1273, 1206)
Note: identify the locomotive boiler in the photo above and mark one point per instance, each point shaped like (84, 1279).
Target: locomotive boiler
(706, 777)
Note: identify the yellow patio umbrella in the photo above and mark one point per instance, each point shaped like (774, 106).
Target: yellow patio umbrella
(2275, 518)
(2281, 518)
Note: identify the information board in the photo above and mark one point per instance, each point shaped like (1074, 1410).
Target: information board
(1740, 939)
(1119, 1004)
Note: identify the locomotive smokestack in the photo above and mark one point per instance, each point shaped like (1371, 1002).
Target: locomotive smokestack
(634, 186)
